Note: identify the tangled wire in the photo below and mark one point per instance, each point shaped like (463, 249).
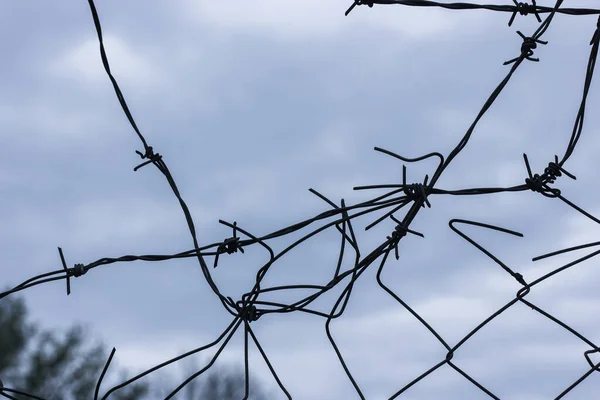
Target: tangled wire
(413, 197)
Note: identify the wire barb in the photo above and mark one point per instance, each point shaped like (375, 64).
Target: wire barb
(539, 183)
(358, 3)
(148, 154)
(77, 270)
(230, 245)
(399, 232)
(525, 9)
(529, 44)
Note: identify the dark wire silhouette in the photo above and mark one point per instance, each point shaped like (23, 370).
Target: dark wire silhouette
(414, 196)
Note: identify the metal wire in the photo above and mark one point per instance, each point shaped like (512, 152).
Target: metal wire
(250, 308)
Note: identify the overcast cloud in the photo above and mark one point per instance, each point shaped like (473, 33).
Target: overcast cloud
(253, 102)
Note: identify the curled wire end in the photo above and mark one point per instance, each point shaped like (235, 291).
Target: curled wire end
(149, 154)
(536, 183)
(358, 3)
(76, 271)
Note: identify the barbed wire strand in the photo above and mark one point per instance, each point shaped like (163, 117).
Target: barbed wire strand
(418, 195)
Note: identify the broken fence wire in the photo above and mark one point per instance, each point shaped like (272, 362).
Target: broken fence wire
(415, 196)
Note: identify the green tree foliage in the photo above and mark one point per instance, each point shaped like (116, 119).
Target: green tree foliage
(48, 364)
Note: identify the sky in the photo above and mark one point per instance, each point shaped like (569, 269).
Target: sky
(253, 103)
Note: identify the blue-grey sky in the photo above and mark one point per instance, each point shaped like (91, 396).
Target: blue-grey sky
(251, 104)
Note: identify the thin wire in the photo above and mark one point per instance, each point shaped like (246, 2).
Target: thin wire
(414, 197)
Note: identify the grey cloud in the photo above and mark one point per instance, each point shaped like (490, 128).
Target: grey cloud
(245, 121)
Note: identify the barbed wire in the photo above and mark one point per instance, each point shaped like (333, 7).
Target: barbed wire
(415, 196)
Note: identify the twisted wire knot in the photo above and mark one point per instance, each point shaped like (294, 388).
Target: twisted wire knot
(524, 9)
(78, 270)
(416, 191)
(230, 245)
(248, 313)
(148, 154)
(539, 183)
(552, 171)
(399, 232)
(527, 47)
(520, 279)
